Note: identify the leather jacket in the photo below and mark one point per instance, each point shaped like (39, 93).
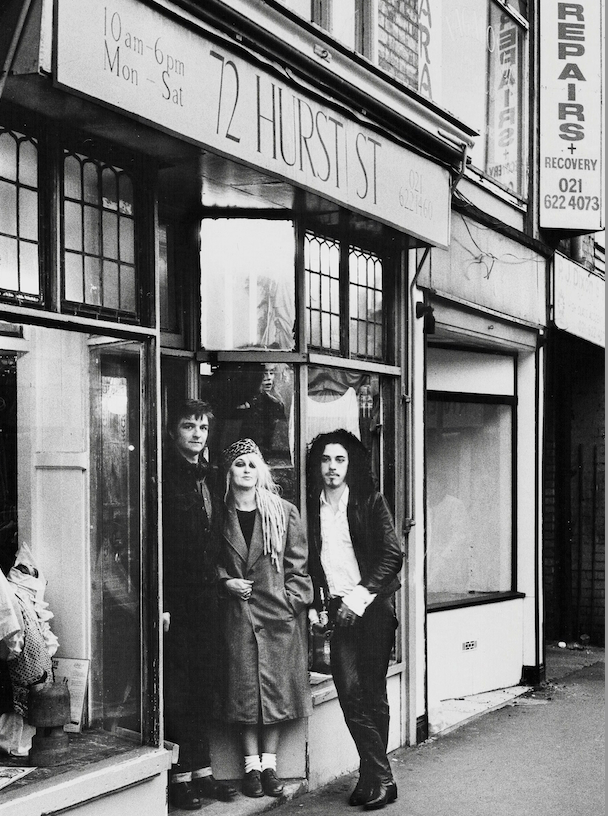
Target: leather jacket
(375, 544)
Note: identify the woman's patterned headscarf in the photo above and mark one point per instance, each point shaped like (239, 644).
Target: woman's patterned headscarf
(241, 447)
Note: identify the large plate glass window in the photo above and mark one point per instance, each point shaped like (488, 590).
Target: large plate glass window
(473, 63)
(470, 449)
(72, 506)
(19, 264)
(255, 401)
(248, 284)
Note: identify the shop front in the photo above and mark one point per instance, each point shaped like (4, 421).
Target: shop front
(188, 218)
(483, 442)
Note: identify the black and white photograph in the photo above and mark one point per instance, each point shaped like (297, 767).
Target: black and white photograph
(302, 407)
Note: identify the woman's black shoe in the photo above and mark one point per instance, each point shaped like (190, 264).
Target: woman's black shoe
(211, 788)
(361, 793)
(252, 784)
(271, 784)
(383, 793)
(183, 796)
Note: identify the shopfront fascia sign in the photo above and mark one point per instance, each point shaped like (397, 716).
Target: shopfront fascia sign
(133, 58)
(579, 301)
(571, 115)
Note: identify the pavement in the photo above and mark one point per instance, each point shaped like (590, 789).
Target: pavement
(516, 752)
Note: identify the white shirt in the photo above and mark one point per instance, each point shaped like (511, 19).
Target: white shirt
(338, 557)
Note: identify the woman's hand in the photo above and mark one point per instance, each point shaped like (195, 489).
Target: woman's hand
(239, 587)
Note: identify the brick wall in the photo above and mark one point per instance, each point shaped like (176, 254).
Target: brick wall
(398, 40)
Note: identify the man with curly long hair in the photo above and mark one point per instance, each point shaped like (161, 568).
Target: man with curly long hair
(354, 561)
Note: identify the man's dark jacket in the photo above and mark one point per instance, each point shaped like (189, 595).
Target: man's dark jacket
(193, 660)
(375, 545)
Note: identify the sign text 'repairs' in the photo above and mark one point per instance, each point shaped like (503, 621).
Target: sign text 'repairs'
(571, 117)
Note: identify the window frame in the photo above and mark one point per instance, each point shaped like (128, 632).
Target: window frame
(513, 592)
(103, 153)
(346, 236)
(23, 129)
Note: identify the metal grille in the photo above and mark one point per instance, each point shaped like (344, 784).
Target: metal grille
(19, 263)
(322, 266)
(98, 235)
(365, 296)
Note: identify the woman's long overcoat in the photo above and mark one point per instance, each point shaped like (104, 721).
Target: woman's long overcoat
(266, 637)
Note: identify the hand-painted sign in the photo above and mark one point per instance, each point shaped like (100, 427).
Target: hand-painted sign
(571, 118)
(134, 58)
(579, 301)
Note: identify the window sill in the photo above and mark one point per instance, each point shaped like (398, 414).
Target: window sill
(323, 688)
(99, 764)
(472, 600)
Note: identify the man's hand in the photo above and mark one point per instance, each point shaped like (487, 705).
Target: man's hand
(346, 616)
(166, 621)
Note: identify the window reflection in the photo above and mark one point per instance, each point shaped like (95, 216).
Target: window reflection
(349, 400)
(247, 284)
(469, 499)
(255, 400)
(115, 430)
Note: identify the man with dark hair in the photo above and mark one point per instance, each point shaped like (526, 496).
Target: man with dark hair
(193, 668)
(355, 560)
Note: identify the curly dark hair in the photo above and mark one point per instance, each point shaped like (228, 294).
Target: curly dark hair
(359, 476)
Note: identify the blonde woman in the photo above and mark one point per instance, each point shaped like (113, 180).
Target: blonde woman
(267, 589)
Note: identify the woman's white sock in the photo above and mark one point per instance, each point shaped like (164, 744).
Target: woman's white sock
(252, 763)
(269, 761)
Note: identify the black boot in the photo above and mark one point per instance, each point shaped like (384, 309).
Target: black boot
(252, 784)
(361, 792)
(271, 784)
(383, 793)
(211, 788)
(183, 795)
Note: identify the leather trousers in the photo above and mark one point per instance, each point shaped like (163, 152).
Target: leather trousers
(359, 660)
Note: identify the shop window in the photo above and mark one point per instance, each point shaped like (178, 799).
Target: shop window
(19, 263)
(470, 535)
(72, 522)
(98, 236)
(254, 400)
(116, 422)
(360, 286)
(351, 400)
(247, 284)
(473, 63)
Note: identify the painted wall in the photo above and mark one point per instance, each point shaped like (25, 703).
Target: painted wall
(495, 661)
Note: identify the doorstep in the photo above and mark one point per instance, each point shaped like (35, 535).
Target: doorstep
(452, 714)
(245, 805)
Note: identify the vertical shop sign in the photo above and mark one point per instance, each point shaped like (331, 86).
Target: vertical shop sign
(571, 115)
(504, 148)
(430, 16)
